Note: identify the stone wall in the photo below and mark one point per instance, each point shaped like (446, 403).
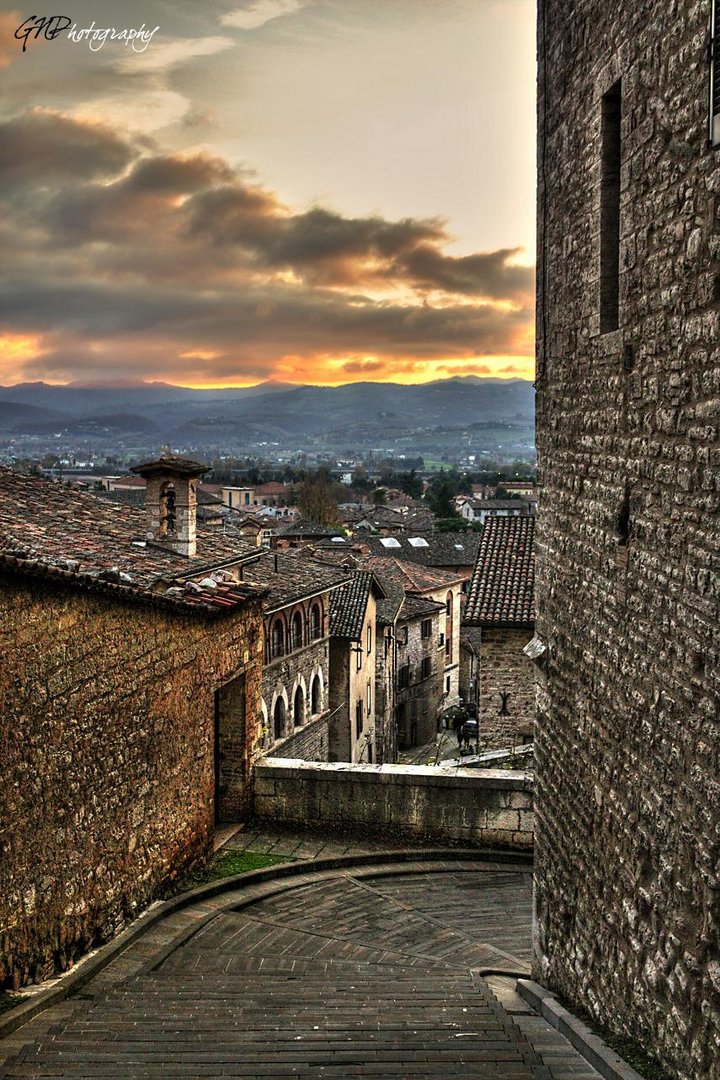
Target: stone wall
(385, 676)
(491, 806)
(282, 680)
(419, 705)
(627, 741)
(310, 743)
(107, 760)
(507, 689)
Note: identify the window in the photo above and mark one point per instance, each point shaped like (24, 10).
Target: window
(279, 714)
(425, 668)
(277, 639)
(299, 707)
(297, 631)
(449, 604)
(402, 635)
(315, 696)
(447, 685)
(714, 132)
(358, 657)
(610, 210)
(167, 509)
(358, 719)
(404, 677)
(315, 622)
(369, 639)
(368, 699)
(426, 628)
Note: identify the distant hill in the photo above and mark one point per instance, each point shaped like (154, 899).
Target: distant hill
(267, 411)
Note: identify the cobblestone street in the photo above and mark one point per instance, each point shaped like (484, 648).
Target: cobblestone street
(367, 971)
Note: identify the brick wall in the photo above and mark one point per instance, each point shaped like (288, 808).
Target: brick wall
(627, 743)
(489, 806)
(107, 777)
(505, 671)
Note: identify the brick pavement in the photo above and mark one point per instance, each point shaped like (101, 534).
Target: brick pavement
(367, 971)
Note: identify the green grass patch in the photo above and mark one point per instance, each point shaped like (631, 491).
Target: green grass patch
(9, 1001)
(227, 864)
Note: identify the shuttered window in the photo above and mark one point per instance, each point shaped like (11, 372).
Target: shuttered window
(714, 132)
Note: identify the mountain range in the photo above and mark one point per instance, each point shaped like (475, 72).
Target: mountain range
(270, 410)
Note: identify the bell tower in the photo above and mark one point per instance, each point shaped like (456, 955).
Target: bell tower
(171, 501)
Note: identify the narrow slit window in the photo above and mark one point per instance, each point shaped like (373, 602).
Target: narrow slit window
(714, 131)
(610, 211)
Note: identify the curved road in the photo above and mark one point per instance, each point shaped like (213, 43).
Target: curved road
(373, 971)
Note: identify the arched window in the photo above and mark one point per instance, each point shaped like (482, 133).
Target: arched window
(315, 622)
(168, 514)
(299, 707)
(279, 716)
(315, 696)
(277, 639)
(297, 630)
(449, 627)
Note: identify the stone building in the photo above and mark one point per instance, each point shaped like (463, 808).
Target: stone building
(353, 647)
(500, 606)
(129, 710)
(296, 662)
(628, 380)
(442, 587)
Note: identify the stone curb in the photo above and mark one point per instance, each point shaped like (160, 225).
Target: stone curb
(74, 981)
(591, 1046)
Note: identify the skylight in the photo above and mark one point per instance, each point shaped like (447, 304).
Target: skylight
(417, 541)
(390, 542)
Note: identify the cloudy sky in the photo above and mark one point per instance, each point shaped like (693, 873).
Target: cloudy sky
(317, 191)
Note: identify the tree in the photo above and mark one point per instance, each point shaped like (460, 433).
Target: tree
(380, 496)
(315, 499)
(412, 485)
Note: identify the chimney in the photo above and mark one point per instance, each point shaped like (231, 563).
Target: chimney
(171, 501)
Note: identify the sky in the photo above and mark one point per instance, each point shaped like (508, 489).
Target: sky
(305, 191)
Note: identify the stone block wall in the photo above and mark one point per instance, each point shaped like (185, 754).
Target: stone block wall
(107, 775)
(491, 806)
(310, 743)
(627, 746)
(419, 705)
(507, 689)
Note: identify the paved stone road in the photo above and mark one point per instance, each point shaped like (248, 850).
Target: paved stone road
(374, 971)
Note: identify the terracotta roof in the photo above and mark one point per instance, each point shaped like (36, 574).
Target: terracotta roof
(273, 487)
(349, 604)
(49, 529)
(289, 578)
(502, 586)
(409, 577)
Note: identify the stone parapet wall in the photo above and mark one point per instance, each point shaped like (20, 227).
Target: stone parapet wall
(494, 806)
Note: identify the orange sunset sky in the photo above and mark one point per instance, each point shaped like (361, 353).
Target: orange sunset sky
(307, 191)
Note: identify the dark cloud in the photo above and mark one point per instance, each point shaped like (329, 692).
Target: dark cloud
(43, 147)
(132, 257)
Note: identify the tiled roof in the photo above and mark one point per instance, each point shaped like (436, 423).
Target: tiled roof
(502, 586)
(273, 487)
(289, 578)
(305, 528)
(443, 549)
(349, 604)
(52, 530)
(414, 607)
(408, 576)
